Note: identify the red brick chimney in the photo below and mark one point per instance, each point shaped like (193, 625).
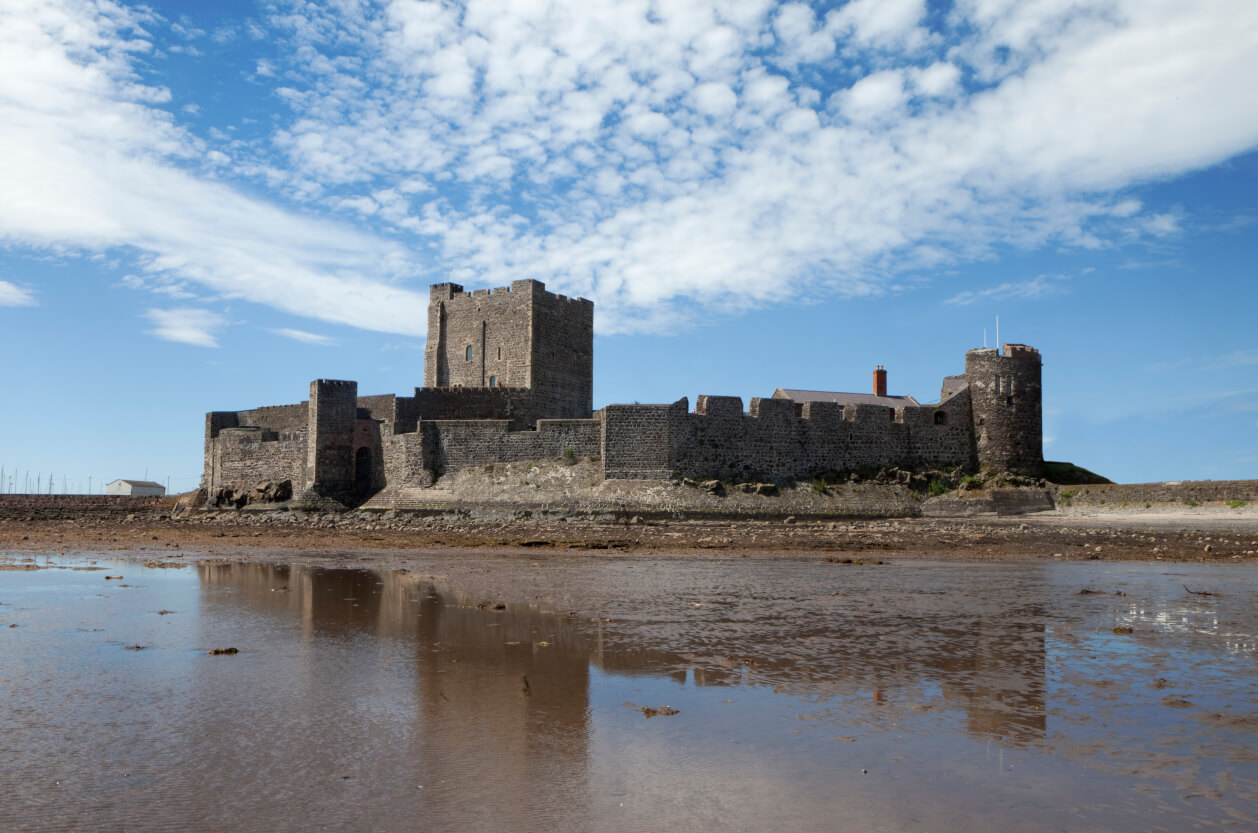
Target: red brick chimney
(880, 381)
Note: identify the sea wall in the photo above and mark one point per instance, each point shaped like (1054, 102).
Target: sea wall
(115, 503)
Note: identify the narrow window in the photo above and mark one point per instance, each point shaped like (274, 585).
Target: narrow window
(941, 417)
(467, 354)
(493, 381)
(499, 353)
(892, 414)
(1009, 400)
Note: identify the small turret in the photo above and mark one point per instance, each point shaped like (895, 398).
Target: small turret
(1006, 398)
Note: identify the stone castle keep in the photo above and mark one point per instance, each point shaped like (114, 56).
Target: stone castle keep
(508, 376)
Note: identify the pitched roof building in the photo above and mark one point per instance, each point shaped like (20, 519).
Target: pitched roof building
(877, 397)
(134, 487)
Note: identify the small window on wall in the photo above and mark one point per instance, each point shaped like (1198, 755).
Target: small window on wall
(892, 414)
(941, 417)
(467, 354)
(493, 381)
(499, 352)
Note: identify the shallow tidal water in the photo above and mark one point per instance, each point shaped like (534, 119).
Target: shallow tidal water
(907, 696)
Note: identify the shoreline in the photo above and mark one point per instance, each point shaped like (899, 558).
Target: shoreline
(1212, 535)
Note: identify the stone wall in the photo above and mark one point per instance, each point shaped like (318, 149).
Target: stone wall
(330, 436)
(494, 324)
(769, 442)
(512, 404)
(640, 442)
(943, 444)
(282, 419)
(562, 355)
(454, 444)
(241, 458)
(404, 463)
(115, 503)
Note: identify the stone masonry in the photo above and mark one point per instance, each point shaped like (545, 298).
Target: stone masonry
(508, 376)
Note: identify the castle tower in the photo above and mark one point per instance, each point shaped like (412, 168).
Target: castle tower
(1006, 401)
(515, 337)
(330, 435)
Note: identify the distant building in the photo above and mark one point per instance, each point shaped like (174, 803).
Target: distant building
(135, 487)
(877, 397)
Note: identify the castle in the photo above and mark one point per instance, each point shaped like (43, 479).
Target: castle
(508, 376)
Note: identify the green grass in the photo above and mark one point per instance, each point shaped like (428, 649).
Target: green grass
(1068, 474)
(937, 488)
(1237, 504)
(1190, 503)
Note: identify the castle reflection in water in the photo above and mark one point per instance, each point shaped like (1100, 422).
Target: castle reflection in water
(512, 685)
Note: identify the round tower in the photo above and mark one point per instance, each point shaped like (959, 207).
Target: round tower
(1005, 397)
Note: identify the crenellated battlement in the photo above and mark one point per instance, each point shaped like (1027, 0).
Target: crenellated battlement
(1021, 351)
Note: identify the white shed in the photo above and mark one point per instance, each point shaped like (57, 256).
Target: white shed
(134, 487)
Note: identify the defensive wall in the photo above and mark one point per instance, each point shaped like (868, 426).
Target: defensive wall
(106, 503)
(719, 440)
(365, 444)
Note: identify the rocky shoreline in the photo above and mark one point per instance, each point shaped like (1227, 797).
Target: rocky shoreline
(1209, 535)
(557, 507)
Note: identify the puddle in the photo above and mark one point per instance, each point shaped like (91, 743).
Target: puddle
(635, 695)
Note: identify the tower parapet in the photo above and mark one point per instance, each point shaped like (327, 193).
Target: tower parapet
(1006, 401)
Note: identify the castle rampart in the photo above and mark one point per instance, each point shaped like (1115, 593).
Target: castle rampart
(509, 377)
(770, 442)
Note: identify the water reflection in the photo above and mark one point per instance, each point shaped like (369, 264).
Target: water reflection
(512, 667)
(893, 697)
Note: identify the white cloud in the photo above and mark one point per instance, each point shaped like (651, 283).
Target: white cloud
(12, 295)
(88, 163)
(655, 157)
(874, 96)
(714, 99)
(186, 325)
(305, 337)
(1038, 287)
(882, 22)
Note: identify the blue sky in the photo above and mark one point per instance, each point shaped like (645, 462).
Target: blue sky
(208, 205)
